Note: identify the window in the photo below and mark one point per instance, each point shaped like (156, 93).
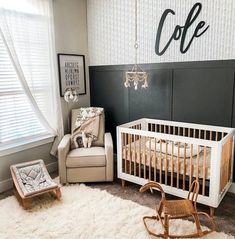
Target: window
(18, 121)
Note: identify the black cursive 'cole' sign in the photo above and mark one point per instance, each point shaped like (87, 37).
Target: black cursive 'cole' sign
(181, 31)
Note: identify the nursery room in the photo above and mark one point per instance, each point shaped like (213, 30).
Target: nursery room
(117, 119)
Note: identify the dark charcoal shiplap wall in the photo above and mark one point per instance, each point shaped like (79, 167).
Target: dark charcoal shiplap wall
(197, 92)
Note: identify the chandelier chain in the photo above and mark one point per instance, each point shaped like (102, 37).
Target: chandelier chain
(136, 32)
(137, 74)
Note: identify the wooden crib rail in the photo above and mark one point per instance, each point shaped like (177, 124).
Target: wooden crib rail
(187, 132)
(226, 164)
(188, 125)
(165, 136)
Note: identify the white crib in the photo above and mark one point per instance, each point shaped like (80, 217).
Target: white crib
(174, 154)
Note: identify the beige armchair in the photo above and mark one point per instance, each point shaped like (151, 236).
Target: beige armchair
(93, 164)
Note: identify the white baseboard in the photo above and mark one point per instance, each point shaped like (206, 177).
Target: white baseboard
(7, 184)
(52, 167)
(232, 188)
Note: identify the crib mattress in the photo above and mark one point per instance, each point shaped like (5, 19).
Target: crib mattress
(170, 162)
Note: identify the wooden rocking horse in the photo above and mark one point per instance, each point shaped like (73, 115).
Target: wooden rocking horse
(176, 209)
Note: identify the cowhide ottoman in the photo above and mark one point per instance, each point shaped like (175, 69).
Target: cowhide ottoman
(32, 179)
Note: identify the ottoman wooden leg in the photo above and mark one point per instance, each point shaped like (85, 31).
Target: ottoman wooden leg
(58, 193)
(22, 201)
(25, 203)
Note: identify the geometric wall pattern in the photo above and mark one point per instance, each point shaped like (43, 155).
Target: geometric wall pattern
(111, 31)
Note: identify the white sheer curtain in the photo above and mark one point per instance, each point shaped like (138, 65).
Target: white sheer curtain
(27, 30)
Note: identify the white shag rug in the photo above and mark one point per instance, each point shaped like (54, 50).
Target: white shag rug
(83, 212)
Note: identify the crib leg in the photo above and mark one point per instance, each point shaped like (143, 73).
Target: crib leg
(212, 211)
(123, 183)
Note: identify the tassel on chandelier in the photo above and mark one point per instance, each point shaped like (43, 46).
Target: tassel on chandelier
(137, 74)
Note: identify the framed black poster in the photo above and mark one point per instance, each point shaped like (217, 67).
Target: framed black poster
(72, 73)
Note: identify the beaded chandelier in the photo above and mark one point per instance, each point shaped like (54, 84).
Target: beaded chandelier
(137, 74)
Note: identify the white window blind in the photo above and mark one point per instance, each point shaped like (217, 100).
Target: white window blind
(18, 121)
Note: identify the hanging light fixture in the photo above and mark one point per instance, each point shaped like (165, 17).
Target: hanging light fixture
(137, 74)
(71, 95)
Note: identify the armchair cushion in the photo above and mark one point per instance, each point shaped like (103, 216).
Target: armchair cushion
(86, 157)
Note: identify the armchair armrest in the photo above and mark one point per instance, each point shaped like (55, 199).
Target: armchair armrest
(63, 150)
(108, 144)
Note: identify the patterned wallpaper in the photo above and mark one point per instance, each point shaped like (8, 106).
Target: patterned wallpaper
(111, 31)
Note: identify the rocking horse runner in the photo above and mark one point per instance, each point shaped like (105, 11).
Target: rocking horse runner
(175, 209)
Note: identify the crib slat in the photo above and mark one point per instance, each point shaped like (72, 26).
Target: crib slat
(126, 149)
(164, 129)
(198, 149)
(130, 152)
(204, 172)
(184, 166)
(155, 160)
(210, 135)
(137, 136)
(166, 163)
(204, 168)
(216, 136)
(174, 130)
(191, 166)
(144, 155)
(134, 155)
(184, 178)
(139, 151)
(160, 161)
(178, 165)
(172, 163)
(150, 156)
(189, 132)
(199, 136)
